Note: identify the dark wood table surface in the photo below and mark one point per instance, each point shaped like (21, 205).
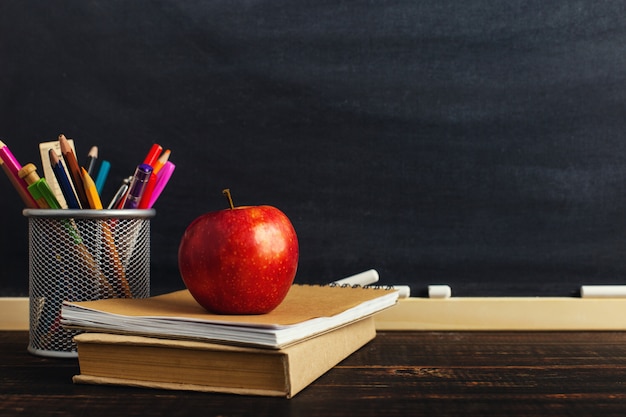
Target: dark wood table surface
(397, 374)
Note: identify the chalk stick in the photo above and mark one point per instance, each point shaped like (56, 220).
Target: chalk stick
(603, 291)
(439, 291)
(404, 290)
(364, 278)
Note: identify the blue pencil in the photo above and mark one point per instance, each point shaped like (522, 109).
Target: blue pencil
(103, 172)
(63, 180)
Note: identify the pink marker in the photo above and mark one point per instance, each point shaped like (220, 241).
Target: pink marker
(11, 166)
(163, 177)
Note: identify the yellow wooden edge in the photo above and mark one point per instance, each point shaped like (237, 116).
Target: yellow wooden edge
(461, 313)
(505, 313)
(14, 313)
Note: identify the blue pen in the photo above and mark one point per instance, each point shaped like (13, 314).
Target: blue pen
(101, 178)
(137, 186)
(63, 180)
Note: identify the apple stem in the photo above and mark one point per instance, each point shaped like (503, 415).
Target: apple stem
(226, 192)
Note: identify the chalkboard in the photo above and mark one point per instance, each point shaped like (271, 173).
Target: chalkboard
(477, 144)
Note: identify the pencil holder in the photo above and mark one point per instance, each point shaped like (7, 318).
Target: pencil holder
(82, 255)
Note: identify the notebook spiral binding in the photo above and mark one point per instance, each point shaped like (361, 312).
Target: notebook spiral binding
(375, 287)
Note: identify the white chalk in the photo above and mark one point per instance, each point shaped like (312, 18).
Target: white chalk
(367, 278)
(603, 291)
(404, 291)
(364, 278)
(439, 291)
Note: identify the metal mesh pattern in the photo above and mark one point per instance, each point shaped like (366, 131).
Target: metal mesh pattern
(81, 259)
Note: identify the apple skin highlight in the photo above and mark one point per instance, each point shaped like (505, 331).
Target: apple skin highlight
(241, 260)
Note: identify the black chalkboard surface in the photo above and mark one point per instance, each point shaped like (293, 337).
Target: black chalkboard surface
(475, 144)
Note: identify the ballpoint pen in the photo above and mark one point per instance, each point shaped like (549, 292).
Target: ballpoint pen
(120, 193)
(144, 202)
(137, 186)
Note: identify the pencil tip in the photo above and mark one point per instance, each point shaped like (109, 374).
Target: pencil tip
(93, 152)
(65, 145)
(54, 159)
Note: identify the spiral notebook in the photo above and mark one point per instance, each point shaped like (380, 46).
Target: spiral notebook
(308, 310)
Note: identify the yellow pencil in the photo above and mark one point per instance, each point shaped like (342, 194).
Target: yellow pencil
(90, 189)
(109, 240)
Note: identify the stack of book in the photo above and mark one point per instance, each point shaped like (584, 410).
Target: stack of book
(170, 342)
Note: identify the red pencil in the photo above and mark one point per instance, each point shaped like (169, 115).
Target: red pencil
(144, 203)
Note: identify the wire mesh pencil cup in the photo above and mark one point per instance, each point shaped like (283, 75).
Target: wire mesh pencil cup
(82, 255)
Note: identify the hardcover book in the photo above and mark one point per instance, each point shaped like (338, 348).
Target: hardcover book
(182, 364)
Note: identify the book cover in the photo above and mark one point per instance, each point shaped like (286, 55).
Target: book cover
(113, 359)
(307, 310)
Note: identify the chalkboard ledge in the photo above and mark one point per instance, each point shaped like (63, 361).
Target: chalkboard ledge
(14, 313)
(453, 314)
(505, 313)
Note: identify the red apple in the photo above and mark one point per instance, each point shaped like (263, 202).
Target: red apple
(240, 260)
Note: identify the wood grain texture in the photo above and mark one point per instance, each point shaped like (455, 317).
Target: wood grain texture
(398, 374)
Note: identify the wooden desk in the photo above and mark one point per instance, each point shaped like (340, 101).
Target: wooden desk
(398, 374)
